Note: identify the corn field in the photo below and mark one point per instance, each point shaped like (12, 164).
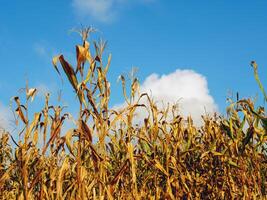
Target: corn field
(107, 156)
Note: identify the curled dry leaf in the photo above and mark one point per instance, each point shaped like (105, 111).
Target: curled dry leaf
(31, 93)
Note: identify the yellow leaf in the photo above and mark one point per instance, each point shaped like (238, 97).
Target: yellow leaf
(35, 136)
(54, 62)
(160, 167)
(31, 93)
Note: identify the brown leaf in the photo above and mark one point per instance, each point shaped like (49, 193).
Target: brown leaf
(119, 173)
(69, 71)
(21, 115)
(86, 131)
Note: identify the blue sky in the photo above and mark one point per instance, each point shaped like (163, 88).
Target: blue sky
(215, 39)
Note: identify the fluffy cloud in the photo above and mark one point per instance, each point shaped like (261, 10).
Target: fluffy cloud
(99, 9)
(102, 10)
(5, 117)
(185, 87)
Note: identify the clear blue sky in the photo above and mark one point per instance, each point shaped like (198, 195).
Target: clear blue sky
(217, 39)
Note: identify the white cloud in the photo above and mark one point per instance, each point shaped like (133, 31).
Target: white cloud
(5, 117)
(102, 10)
(185, 87)
(99, 9)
